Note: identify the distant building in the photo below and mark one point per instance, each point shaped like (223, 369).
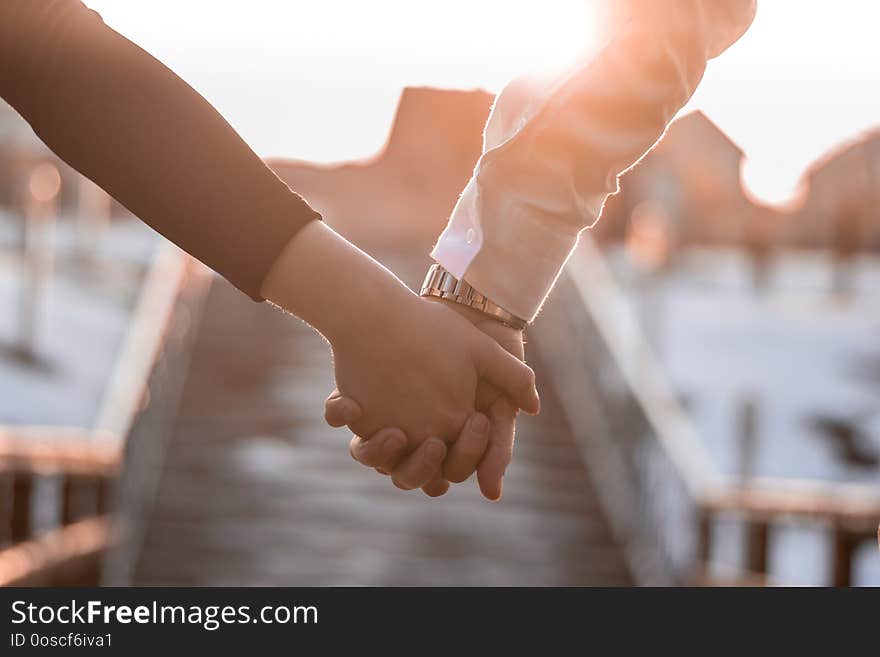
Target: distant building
(436, 138)
(694, 173)
(434, 143)
(842, 208)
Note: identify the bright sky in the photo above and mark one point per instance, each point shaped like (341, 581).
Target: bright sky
(805, 77)
(320, 80)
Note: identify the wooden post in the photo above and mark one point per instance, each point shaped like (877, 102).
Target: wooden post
(757, 547)
(22, 493)
(40, 208)
(5, 508)
(845, 544)
(68, 500)
(704, 542)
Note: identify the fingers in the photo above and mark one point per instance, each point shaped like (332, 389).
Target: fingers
(485, 443)
(468, 450)
(436, 488)
(385, 452)
(490, 472)
(340, 410)
(420, 467)
(507, 372)
(382, 450)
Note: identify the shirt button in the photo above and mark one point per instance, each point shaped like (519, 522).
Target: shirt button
(470, 235)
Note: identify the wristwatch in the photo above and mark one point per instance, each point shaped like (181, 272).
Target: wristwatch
(443, 285)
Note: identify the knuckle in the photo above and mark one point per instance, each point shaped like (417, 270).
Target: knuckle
(452, 422)
(401, 483)
(365, 452)
(470, 451)
(457, 474)
(436, 491)
(361, 428)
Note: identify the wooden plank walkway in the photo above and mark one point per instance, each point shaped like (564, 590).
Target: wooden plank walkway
(256, 490)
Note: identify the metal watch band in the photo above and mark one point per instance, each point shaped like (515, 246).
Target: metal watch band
(443, 285)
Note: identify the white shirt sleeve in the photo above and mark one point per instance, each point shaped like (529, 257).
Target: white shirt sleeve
(552, 152)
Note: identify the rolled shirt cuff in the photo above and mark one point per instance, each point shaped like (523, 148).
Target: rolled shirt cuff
(518, 267)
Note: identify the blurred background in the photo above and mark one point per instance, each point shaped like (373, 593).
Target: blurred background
(709, 362)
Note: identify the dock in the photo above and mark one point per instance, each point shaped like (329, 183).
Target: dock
(257, 490)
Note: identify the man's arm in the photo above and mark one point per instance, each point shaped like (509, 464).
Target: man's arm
(552, 155)
(549, 164)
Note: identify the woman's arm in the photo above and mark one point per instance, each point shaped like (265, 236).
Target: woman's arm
(123, 119)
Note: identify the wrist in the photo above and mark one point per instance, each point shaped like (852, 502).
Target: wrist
(332, 285)
(441, 283)
(473, 315)
(375, 308)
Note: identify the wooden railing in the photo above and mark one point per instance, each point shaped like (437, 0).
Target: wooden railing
(82, 471)
(661, 491)
(849, 513)
(73, 472)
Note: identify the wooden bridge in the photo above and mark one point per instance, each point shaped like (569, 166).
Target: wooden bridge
(257, 490)
(212, 465)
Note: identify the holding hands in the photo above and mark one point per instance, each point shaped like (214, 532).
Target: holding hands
(412, 373)
(485, 444)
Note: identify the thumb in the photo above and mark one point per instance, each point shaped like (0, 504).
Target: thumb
(512, 376)
(340, 410)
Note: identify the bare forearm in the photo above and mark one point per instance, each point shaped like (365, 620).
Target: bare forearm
(334, 286)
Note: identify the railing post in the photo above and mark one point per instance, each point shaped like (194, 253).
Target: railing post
(705, 533)
(43, 187)
(5, 508)
(757, 547)
(845, 544)
(704, 543)
(68, 500)
(22, 492)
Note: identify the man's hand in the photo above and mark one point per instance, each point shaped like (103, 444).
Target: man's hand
(500, 411)
(486, 449)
